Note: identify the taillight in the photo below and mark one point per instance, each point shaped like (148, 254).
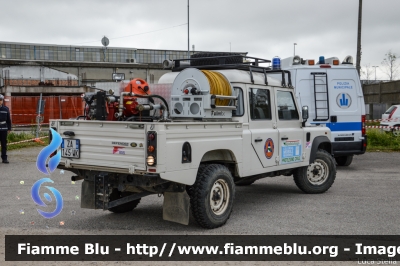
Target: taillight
(151, 158)
(151, 148)
(391, 113)
(151, 137)
(363, 125)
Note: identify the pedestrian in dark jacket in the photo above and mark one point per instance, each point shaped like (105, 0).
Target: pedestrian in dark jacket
(5, 127)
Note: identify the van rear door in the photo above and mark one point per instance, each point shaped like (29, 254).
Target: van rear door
(347, 107)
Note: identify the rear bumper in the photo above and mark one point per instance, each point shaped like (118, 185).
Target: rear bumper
(344, 148)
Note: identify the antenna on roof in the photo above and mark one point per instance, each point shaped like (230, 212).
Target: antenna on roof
(105, 42)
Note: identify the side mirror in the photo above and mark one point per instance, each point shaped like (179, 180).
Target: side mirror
(304, 113)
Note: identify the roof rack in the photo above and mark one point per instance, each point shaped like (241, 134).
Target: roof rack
(251, 64)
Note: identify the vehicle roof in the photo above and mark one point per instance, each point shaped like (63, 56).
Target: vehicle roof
(233, 75)
(317, 66)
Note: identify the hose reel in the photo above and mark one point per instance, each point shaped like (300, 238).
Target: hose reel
(202, 94)
(219, 85)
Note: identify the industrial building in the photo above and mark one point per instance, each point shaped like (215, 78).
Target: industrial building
(60, 73)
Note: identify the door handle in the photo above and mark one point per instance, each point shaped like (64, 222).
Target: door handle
(284, 138)
(258, 140)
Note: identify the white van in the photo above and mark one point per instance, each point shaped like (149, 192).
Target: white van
(333, 92)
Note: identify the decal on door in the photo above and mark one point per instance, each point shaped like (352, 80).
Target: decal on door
(291, 151)
(269, 148)
(343, 100)
(343, 85)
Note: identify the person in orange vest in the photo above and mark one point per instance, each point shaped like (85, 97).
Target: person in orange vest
(5, 128)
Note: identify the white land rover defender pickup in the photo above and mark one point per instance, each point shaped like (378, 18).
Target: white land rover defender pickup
(221, 122)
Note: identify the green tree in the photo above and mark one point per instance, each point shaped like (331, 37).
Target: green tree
(390, 66)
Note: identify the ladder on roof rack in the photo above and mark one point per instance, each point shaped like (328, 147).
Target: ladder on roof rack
(321, 97)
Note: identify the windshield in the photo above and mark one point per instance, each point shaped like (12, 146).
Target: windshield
(388, 111)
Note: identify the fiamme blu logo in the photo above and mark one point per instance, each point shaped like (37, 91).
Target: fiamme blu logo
(46, 164)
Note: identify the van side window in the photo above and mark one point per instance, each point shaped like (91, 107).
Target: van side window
(286, 107)
(240, 104)
(260, 104)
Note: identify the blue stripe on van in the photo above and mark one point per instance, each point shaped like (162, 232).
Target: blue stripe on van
(344, 126)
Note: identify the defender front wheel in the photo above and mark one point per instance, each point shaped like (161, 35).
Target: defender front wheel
(319, 176)
(212, 195)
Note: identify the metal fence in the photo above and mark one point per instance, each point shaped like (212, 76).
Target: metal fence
(24, 108)
(36, 82)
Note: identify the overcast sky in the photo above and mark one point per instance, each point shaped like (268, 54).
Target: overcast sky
(263, 28)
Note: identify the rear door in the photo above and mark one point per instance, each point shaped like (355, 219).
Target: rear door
(291, 146)
(264, 135)
(347, 105)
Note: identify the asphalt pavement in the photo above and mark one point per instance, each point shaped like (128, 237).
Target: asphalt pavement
(363, 201)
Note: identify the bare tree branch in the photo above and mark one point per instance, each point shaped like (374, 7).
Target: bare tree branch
(390, 66)
(367, 74)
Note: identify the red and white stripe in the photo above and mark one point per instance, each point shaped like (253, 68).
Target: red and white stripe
(395, 128)
(29, 140)
(384, 120)
(29, 125)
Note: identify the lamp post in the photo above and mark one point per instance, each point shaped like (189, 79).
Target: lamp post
(294, 49)
(375, 70)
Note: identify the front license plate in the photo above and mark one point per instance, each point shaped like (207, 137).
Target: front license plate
(70, 148)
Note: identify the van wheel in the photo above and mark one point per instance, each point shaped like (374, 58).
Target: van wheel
(344, 160)
(319, 176)
(212, 196)
(127, 207)
(396, 132)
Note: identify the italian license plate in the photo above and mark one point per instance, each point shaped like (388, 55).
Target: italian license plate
(70, 148)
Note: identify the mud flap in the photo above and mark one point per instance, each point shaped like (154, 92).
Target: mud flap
(176, 207)
(88, 195)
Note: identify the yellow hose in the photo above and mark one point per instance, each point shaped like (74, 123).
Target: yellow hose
(219, 85)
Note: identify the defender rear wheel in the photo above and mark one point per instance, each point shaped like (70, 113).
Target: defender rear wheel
(319, 176)
(344, 160)
(126, 207)
(212, 195)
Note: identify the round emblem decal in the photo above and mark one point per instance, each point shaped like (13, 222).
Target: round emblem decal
(269, 148)
(343, 100)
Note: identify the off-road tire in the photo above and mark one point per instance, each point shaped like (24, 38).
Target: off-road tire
(127, 207)
(214, 186)
(344, 160)
(234, 59)
(306, 180)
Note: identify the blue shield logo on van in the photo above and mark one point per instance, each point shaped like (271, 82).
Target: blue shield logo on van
(343, 100)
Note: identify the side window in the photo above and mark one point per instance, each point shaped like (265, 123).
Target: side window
(260, 104)
(286, 107)
(240, 104)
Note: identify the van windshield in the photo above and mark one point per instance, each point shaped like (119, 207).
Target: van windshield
(390, 109)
